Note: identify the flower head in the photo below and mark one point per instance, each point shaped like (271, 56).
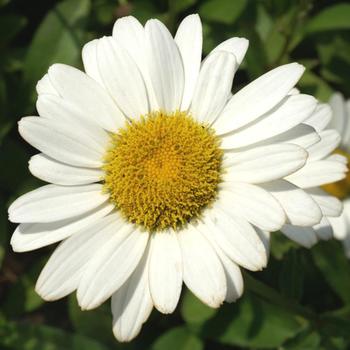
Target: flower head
(158, 174)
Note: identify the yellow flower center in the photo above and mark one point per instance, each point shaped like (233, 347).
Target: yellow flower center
(162, 170)
(340, 189)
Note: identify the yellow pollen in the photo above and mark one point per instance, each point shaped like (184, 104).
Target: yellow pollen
(163, 170)
(340, 189)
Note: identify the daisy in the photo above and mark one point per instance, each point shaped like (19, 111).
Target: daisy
(157, 174)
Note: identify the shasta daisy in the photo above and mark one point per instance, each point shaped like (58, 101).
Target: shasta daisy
(157, 174)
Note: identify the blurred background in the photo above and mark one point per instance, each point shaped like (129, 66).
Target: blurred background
(300, 301)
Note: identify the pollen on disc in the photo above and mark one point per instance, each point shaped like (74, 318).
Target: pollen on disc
(163, 170)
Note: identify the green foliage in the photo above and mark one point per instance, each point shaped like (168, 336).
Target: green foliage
(57, 40)
(26, 336)
(222, 11)
(306, 339)
(300, 301)
(291, 275)
(331, 18)
(330, 259)
(178, 338)
(3, 228)
(96, 324)
(193, 311)
(252, 323)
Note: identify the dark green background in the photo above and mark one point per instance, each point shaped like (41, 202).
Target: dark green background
(301, 301)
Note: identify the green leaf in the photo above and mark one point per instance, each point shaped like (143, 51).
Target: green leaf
(252, 322)
(264, 22)
(275, 44)
(10, 25)
(3, 230)
(222, 11)
(95, 323)
(21, 296)
(331, 18)
(194, 311)
(305, 340)
(143, 10)
(280, 245)
(312, 84)
(256, 58)
(4, 2)
(27, 336)
(329, 257)
(335, 326)
(182, 5)
(178, 338)
(58, 39)
(14, 164)
(291, 275)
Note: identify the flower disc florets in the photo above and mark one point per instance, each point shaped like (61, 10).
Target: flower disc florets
(162, 170)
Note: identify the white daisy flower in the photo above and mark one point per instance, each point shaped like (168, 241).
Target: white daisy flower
(321, 170)
(158, 175)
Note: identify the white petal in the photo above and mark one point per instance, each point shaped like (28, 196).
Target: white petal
(254, 204)
(339, 119)
(346, 245)
(324, 229)
(122, 78)
(346, 139)
(294, 91)
(36, 235)
(44, 86)
(132, 303)
(330, 205)
(301, 135)
(321, 117)
(236, 46)
(340, 226)
(264, 163)
(213, 86)
(52, 203)
(265, 237)
(50, 170)
(304, 236)
(165, 271)
(258, 97)
(129, 33)
(203, 273)
(62, 142)
(64, 112)
(300, 208)
(289, 113)
(317, 173)
(87, 95)
(234, 279)
(338, 158)
(165, 66)
(111, 266)
(63, 271)
(89, 56)
(189, 41)
(330, 139)
(236, 237)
